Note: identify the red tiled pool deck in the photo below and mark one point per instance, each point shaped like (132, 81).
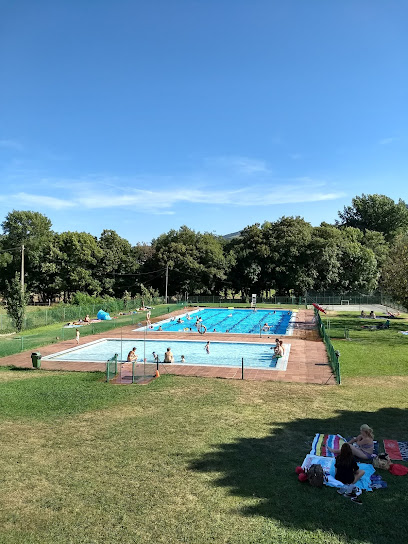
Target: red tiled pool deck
(308, 362)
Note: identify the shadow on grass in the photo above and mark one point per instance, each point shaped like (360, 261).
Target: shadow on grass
(20, 369)
(362, 328)
(263, 469)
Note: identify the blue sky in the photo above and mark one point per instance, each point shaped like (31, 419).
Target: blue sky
(142, 116)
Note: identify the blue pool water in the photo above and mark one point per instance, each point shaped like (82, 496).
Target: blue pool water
(232, 321)
(221, 353)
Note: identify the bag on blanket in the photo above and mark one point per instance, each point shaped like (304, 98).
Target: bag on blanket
(382, 461)
(315, 475)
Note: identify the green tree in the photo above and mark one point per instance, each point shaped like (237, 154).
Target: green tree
(33, 230)
(326, 254)
(376, 213)
(290, 266)
(377, 243)
(16, 300)
(116, 264)
(78, 255)
(273, 256)
(196, 262)
(394, 279)
(359, 267)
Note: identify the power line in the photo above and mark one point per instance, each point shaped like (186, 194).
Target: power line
(136, 273)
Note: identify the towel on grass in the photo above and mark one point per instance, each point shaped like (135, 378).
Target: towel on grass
(322, 441)
(329, 470)
(398, 451)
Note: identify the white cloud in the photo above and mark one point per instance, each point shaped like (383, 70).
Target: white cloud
(240, 165)
(27, 199)
(247, 196)
(224, 181)
(11, 144)
(387, 141)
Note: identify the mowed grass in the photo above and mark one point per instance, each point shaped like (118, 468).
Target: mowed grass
(187, 460)
(369, 352)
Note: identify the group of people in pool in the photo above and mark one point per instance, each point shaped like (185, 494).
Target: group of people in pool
(278, 349)
(169, 357)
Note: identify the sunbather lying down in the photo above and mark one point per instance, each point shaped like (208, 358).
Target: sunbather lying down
(380, 326)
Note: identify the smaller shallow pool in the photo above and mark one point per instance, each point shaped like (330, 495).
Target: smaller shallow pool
(220, 353)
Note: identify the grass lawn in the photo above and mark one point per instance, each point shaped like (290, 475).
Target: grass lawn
(369, 352)
(187, 460)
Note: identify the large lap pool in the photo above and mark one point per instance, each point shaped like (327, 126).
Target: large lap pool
(221, 353)
(231, 321)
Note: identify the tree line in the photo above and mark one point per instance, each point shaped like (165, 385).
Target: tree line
(366, 248)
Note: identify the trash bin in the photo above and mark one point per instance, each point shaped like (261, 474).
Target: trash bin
(36, 359)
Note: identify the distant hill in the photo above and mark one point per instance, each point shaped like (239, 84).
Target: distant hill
(232, 235)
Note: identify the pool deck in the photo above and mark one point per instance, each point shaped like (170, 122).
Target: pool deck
(308, 362)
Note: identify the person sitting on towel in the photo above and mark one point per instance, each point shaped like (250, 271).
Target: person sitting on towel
(347, 470)
(362, 445)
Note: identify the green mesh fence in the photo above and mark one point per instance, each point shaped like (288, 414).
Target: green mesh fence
(43, 317)
(331, 352)
(394, 305)
(111, 367)
(325, 297)
(52, 334)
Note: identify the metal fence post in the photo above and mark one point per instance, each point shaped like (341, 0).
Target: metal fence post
(242, 369)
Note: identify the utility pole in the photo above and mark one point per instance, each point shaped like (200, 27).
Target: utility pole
(22, 269)
(167, 282)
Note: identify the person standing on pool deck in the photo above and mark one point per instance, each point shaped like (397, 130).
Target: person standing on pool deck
(77, 334)
(207, 347)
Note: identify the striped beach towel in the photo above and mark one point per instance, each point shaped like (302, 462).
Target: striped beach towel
(322, 441)
(398, 451)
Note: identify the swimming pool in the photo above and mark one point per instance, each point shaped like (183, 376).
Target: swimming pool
(221, 353)
(232, 321)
